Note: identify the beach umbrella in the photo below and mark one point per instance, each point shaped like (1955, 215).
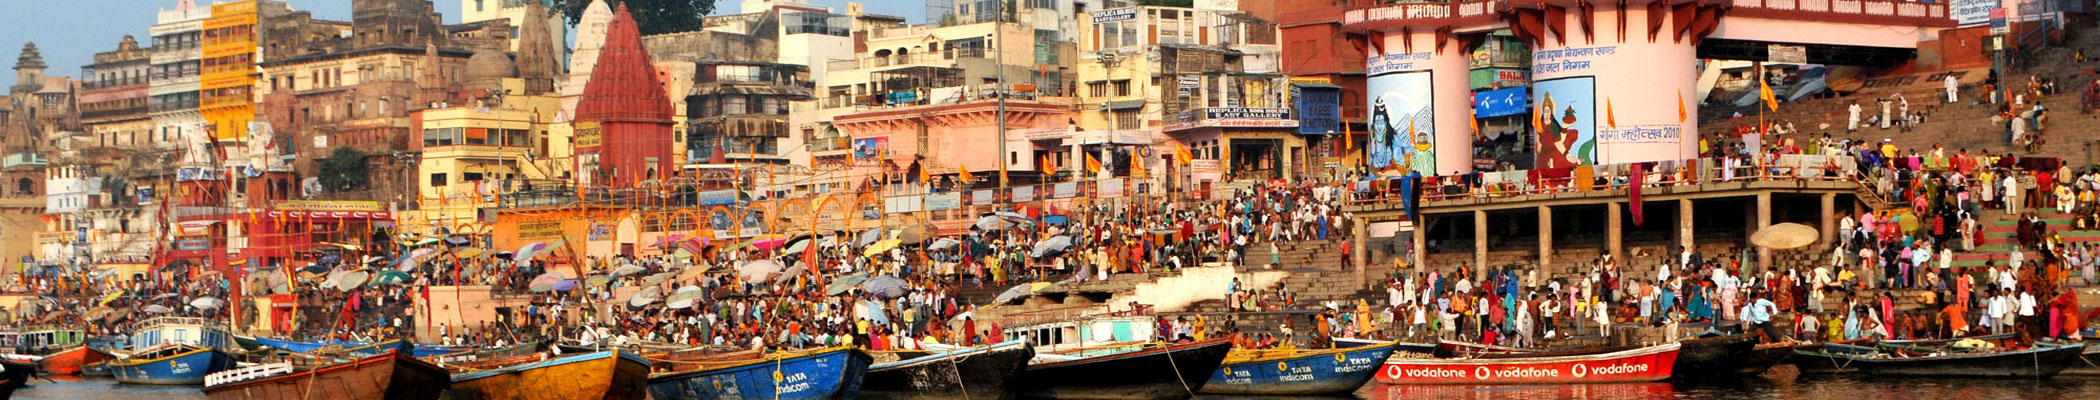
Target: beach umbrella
(384, 278)
(629, 269)
(156, 309)
(791, 271)
(163, 296)
(351, 280)
(681, 254)
(1015, 216)
(768, 242)
(468, 252)
(798, 247)
(1785, 236)
(684, 297)
(112, 296)
(1052, 246)
(854, 279)
(992, 224)
(839, 287)
(694, 244)
(565, 285)
(545, 282)
(914, 234)
(207, 303)
(645, 297)
(874, 312)
(1016, 292)
(888, 287)
(758, 270)
(868, 237)
(944, 244)
(880, 247)
(653, 280)
(597, 280)
(456, 240)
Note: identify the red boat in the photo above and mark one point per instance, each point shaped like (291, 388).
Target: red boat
(68, 362)
(1646, 364)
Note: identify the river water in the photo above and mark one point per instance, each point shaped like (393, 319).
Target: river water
(1831, 388)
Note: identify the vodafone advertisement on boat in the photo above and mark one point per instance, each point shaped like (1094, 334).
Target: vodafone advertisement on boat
(1637, 365)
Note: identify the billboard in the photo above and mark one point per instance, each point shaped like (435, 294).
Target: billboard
(1567, 121)
(1971, 12)
(1496, 103)
(869, 149)
(1403, 122)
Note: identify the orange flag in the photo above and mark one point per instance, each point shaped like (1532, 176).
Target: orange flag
(1681, 115)
(1181, 155)
(924, 176)
(1137, 166)
(1044, 165)
(1611, 118)
(964, 173)
(1765, 92)
(1093, 166)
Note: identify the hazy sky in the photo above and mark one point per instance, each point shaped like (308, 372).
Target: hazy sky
(70, 32)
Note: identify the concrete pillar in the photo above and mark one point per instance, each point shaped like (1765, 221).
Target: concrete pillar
(1480, 239)
(1614, 232)
(1421, 244)
(1359, 256)
(1764, 219)
(1545, 240)
(1684, 224)
(1829, 228)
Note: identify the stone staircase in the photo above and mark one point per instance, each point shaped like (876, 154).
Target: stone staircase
(1999, 238)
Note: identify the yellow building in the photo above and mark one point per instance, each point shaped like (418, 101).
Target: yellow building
(226, 89)
(470, 153)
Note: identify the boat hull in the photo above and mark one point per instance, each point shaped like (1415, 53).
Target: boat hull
(69, 361)
(601, 375)
(1763, 357)
(392, 376)
(1165, 373)
(1647, 364)
(14, 375)
(100, 369)
(1315, 373)
(2039, 362)
(182, 369)
(973, 373)
(1718, 357)
(828, 374)
(1828, 358)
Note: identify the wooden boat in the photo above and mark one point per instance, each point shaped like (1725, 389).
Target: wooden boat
(980, 372)
(2091, 366)
(14, 375)
(599, 375)
(1714, 357)
(176, 364)
(1828, 358)
(355, 348)
(463, 357)
(69, 361)
(1454, 348)
(699, 357)
(1764, 356)
(1647, 364)
(831, 373)
(393, 375)
(1298, 372)
(1170, 372)
(43, 340)
(1943, 342)
(99, 369)
(1423, 349)
(2044, 360)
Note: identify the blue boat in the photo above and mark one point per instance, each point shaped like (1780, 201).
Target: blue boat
(354, 348)
(833, 373)
(175, 364)
(1298, 372)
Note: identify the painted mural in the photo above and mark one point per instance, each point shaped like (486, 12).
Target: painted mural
(1403, 122)
(1567, 121)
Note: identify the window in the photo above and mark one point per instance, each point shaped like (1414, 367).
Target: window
(1123, 88)
(437, 179)
(477, 5)
(1126, 119)
(470, 177)
(1097, 89)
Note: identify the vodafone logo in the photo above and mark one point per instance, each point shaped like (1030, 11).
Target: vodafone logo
(1581, 370)
(1482, 373)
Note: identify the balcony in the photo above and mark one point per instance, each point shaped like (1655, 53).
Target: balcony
(475, 151)
(945, 59)
(23, 159)
(831, 144)
(1847, 11)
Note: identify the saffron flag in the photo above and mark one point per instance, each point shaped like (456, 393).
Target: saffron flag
(1002, 177)
(925, 177)
(1137, 166)
(1765, 92)
(1181, 155)
(1681, 115)
(1043, 165)
(1611, 118)
(1093, 166)
(964, 174)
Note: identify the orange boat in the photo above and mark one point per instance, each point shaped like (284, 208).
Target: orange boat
(68, 362)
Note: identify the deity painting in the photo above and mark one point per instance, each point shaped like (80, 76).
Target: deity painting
(1403, 123)
(1566, 117)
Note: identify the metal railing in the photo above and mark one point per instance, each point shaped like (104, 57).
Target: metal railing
(1823, 168)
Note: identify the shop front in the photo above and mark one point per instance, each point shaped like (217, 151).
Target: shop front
(1252, 144)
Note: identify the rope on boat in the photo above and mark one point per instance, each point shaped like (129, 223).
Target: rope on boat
(1177, 374)
(955, 368)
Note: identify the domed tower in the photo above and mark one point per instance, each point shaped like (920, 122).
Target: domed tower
(623, 121)
(487, 69)
(29, 69)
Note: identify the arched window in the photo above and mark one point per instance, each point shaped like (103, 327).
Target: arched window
(25, 186)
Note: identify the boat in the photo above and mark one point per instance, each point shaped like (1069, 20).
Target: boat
(981, 372)
(1169, 372)
(1422, 349)
(42, 340)
(100, 370)
(598, 375)
(1764, 356)
(2044, 360)
(462, 357)
(1714, 356)
(14, 375)
(1298, 372)
(355, 347)
(173, 364)
(830, 373)
(69, 361)
(1828, 358)
(394, 376)
(1646, 364)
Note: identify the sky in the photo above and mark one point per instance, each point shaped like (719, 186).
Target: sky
(70, 32)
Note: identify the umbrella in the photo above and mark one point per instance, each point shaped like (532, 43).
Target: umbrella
(564, 285)
(914, 234)
(647, 295)
(991, 224)
(163, 296)
(207, 303)
(598, 280)
(456, 240)
(881, 246)
(629, 269)
(1052, 246)
(99, 312)
(768, 242)
(1012, 293)
(672, 239)
(681, 253)
(868, 237)
(111, 297)
(854, 279)
(468, 252)
(314, 269)
(156, 309)
(888, 287)
(390, 278)
(372, 259)
(1785, 236)
(652, 280)
(684, 297)
(545, 282)
(351, 280)
(425, 242)
(1015, 216)
(792, 271)
(758, 270)
(944, 244)
(797, 248)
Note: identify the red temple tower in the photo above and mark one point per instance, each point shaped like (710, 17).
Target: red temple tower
(623, 121)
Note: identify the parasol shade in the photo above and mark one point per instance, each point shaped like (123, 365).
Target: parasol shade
(1785, 236)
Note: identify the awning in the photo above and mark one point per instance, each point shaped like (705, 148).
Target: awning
(1315, 85)
(1126, 104)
